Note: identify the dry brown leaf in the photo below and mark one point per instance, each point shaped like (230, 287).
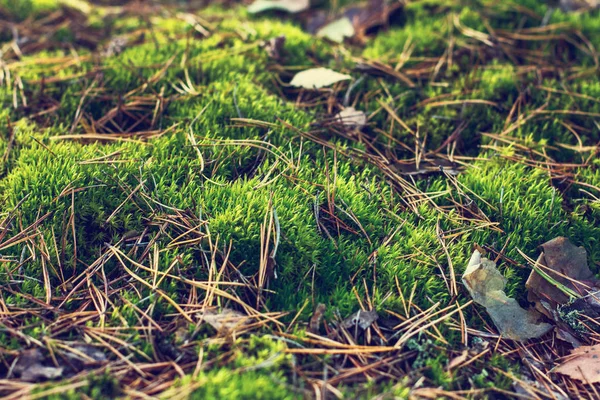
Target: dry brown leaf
(582, 364)
(486, 285)
(564, 263)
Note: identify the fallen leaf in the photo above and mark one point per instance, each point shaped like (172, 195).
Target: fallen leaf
(375, 13)
(567, 265)
(337, 30)
(582, 364)
(227, 319)
(30, 367)
(317, 78)
(291, 6)
(363, 319)
(486, 285)
(37, 372)
(351, 117)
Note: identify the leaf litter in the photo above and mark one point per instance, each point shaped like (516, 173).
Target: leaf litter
(337, 30)
(564, 290)
(317, 78)
(582, 364)
(561, 269)
(486, 285)
(561, 287)
(30, 366)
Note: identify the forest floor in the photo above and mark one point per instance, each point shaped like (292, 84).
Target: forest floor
(189, 210)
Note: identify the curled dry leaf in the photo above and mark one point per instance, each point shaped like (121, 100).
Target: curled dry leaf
(317, 78)
(291, 6)
(486, 285)
(567, 265)
(352, 118)
(582, 364)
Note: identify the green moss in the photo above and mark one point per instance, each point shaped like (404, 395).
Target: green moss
(245, 170)
(222, 383)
